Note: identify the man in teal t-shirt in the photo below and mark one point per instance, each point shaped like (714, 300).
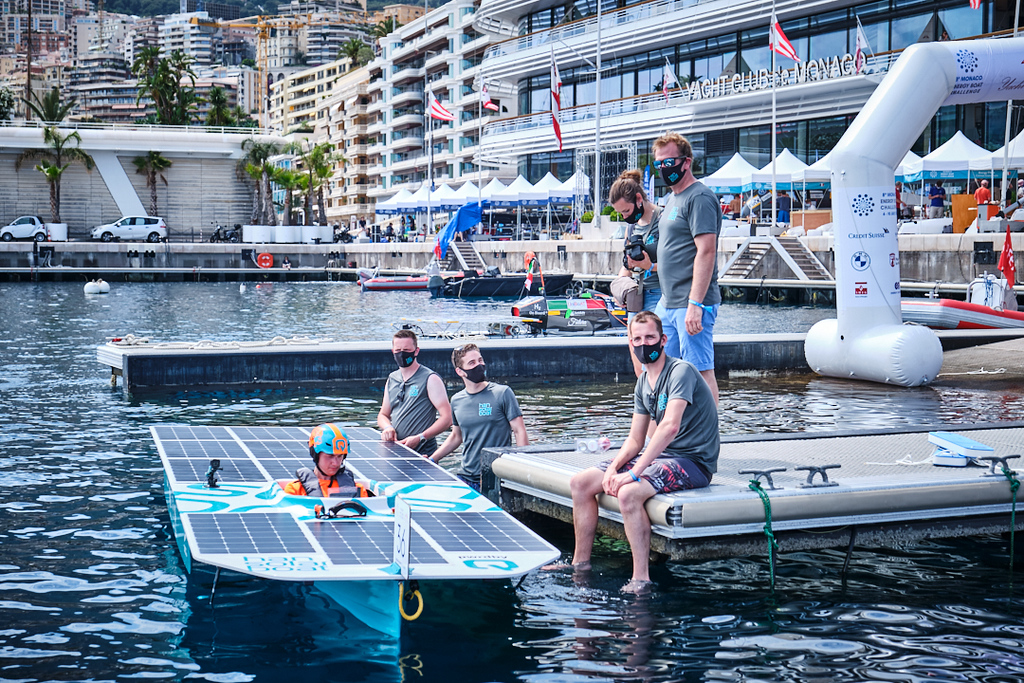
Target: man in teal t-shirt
(484, 415)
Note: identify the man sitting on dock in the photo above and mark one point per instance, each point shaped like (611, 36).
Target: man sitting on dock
(682, 453)
(415, 408)
(484, 415)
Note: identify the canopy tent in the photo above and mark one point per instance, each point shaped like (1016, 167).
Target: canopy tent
(994, 161)
(569, 186)
(415, 201)
(817, 175)
(490, 189)
(469, 192)
(391, 205)
(520, 193)
(785, 166)
(950, 160)
(729, 178)
(555, 189)
(445, 199)
(908, 160)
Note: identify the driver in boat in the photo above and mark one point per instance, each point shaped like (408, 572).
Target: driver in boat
(328, 446)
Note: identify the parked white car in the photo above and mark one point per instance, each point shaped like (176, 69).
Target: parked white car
(25, 228)
(133, 228)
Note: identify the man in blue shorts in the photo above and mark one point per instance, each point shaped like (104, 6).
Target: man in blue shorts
(682, 453)
(688, 259)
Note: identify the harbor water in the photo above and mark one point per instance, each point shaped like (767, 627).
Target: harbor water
(92, 587)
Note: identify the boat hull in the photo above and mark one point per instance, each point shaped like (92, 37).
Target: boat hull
(501, 286)
(948, 314)
(389, 284)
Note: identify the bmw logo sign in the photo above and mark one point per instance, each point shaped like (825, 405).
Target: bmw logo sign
(861, 261)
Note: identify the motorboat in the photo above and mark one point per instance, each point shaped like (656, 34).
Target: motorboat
(492, 283)
(591, 313)
(991, 305)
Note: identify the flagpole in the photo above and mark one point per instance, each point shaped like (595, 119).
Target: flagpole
(597, 125)
(479, 167)
(1004, 178)
(775, 39)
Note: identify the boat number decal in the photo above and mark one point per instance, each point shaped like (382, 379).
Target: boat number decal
(860, 261)
(503, 565)
(284, 564)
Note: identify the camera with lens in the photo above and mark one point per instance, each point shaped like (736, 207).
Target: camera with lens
(634, 249)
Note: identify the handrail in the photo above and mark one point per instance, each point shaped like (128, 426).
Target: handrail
(151, 127)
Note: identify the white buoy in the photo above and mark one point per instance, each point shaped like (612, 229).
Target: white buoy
(104, 286)
(91, 288)
(241, 288)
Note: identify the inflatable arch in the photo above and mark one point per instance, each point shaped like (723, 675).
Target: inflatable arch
(867, 340)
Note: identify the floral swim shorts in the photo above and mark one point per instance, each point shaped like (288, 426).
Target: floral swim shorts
(667, 474)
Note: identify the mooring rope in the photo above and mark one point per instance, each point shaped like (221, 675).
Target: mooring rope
(773, 545)
(1014, 486)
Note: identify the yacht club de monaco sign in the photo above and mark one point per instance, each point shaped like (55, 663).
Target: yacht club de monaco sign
(822, 69)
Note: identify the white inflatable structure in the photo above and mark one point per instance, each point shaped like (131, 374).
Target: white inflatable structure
(868, 339)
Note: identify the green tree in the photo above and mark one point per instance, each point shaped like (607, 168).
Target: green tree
(318, 161)
(169, 82)
(219, 113)
(249, 62)
(7, 102)
(351, 50)
(152, 165)
(365, 55)
(60, 152)
(289, 181)
(384, 27)
(50, 108)
(242, 118)
(256, 164)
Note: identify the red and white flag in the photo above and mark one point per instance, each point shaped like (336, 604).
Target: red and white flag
(437, 111)
(1007, 265)
(862, 50)
(556, 99)
(778, 42)
(975, 4)
(485, 96)
(668, 79)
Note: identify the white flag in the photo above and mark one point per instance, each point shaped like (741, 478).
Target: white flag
(862, 50)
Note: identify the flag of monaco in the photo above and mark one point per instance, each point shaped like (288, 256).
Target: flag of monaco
(1007, 264)
(778, 42)
(437, 111)
(556, 98)
(486, 97)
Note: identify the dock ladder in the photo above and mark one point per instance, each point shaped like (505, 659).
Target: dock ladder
(800, 260)
(464, 256)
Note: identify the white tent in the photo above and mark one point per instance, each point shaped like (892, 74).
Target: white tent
(818, 172)
(569, 186)
(490, 189)
(950, 160)
(468, 193)
(520, 193)
(444, 199)
(785, 166)
(994, 161)
(908, 160)
(729, 178)
(392, 205)
(555, 189)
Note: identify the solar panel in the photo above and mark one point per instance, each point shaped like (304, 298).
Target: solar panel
(359, 450)
(251, 532)
(368, 543)
(478, 532)
(272, 434)
(361, 433)
(203, 449)
(231, 471)
(400, 471)
(175, 432)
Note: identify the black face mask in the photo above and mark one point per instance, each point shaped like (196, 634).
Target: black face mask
(477, 373)
(638, 213)
(672, 174)
(404, 358)
(647, 353)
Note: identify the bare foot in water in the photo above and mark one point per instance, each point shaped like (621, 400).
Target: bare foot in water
(566, 567)
(637, 587)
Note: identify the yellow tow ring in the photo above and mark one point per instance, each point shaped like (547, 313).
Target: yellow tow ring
(403, 597)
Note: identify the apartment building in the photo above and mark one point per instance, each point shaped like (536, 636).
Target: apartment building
(348, 198)
(49, 25)
(298, 100)
(438, 53)
(191, 33)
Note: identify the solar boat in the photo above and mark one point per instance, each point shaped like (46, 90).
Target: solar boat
(229, 510)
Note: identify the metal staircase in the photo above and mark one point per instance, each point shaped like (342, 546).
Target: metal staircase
(464, 256)
(797, 257)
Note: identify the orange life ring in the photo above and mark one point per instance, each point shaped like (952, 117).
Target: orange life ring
(265, 260)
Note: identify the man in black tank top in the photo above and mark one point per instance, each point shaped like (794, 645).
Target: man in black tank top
(415, 408)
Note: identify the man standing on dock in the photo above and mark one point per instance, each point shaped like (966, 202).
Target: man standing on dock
(688, 259)
(415, 408)
(682, 453)
(485, 415)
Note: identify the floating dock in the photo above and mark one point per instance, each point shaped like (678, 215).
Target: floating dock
(176, 366)
(824, 490)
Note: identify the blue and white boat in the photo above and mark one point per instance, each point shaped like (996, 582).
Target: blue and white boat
(229, 510)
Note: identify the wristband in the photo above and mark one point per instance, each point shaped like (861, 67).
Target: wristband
(647, 273)
(635, 478)
(700, 305)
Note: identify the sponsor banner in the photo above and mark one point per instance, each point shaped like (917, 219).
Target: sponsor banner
(866, 247)
(987, 71)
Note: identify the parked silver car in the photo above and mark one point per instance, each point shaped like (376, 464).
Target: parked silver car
(132, 228)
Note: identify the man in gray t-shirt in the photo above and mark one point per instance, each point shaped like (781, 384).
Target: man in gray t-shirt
(415, 408)
(688, 259)
(484, 415)
(681, 454)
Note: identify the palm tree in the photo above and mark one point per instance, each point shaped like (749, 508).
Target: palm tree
(152, 165)
(350, 50)
(219, 113)
(163, 80)
(54, 160)
(50, 108)
(384, 27)
(318, 166)
(256, 164)
(290, 181)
